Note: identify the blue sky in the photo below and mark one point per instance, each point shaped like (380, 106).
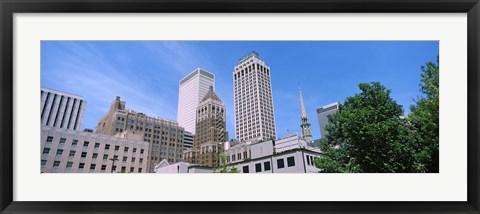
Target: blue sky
(146, 73)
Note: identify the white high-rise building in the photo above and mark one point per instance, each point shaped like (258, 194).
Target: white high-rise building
(61, 110)
(192, 89)
(323, 113)
(254, 117)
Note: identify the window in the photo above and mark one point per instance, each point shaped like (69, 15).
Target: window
(92, 166)
(141, 160)
(308, 160)
(117, 148)
(105, 157)
(266, 165)
(134, 150)
(84, 154)
(95, 155)
(114, 168)
(133, 160)
(107, 146)
(124, 169)
(74, 142)
(245, 169)
(56, 163)
(115, 157)
(44, 162)
(290, 161)
(132, 169)
(258, 167)
(59, 151)
(280, 163)
(233, 157)
(141, 151)
(69, 164)
(139, 170)
(239, 156)
(124, 159)
(125, 149)
(46, 150)
(72, 153)
(49, 139)
(104, 167)
(97, 145)
(62, 140)
(244, 155)
(85, 144)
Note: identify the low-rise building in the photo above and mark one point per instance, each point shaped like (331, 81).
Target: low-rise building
(70, 151)
(180, 167)
(292, 154)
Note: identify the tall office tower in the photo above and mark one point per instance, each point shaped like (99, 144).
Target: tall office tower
(254, 118)
(306, 132)
(61, 110)
(211, 132)
(191, 91)
(164, 136)
(323, 113)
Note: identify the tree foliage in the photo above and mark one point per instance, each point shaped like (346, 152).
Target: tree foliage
(224, 167)
(425, 117)
(368, 134)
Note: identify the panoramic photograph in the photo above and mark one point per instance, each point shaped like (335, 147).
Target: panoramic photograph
(239, 107)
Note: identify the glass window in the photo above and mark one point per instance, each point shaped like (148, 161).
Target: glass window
(308, 160)
(72, 153)
(92, 166)
(124, 159)
(125, 149)
(104, 167)
(81, 165)
(85, 144)
(266, 165)
(280, 163)
(69, 164)
(97, 145)
(46, 150)
(56, 163)
(105, 157)
(117, 148)
(95, 155)
(245, 169)
(62, 140)
(134, 150)
(49, 139)
(44, 162)
(59, 151)
(290, 161)
(107, 146)
(74, 142)
(258, 167)
(84, 154)
(139, 170)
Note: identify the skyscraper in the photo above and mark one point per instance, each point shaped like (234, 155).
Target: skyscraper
(323, 113)
(211, 132)
(165, 137)
(306, 132)
(191, 91)
(61, 110)
(254, 117)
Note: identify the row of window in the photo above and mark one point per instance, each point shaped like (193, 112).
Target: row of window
(56, 164)
(84, 155)
(266, 165)
(97, 145)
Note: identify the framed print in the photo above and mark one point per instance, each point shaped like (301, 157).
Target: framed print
(268, 106)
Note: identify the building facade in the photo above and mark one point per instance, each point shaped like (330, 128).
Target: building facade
(71, 151)
(187, 140)
(191, 91)
(165, 137)
(323, 113)
(254, 113)
(211, 132)
(305, 126)
(61, 110)
(288, 155)
(181, 167)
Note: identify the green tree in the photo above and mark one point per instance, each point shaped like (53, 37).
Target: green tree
(424, 117)
(368, 134)
(224, 167)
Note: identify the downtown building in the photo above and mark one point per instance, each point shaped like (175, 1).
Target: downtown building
(323, 113)
(210, 134)
(165, 137)
(72, 151)
(292, 154)
(254, 114)
(192, 89)
(61, 110)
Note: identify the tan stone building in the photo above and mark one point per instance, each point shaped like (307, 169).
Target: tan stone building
(165, 137)
(71, 151)
(210, 133)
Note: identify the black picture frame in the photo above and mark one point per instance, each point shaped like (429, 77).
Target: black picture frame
(9, 7)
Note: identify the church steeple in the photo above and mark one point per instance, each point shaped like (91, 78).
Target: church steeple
(306, 132)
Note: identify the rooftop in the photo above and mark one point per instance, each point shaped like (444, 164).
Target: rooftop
(248, 55)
